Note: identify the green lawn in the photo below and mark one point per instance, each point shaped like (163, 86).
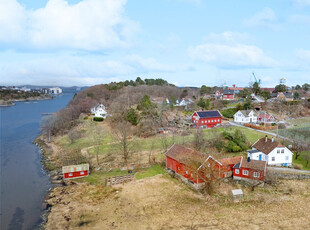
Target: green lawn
(149, 172)
(301, 162)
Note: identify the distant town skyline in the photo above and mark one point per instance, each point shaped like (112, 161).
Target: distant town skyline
(186, 42)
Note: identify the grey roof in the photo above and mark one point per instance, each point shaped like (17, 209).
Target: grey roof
(247, 112)
(253, 151)
(209, 114)
(228, 91)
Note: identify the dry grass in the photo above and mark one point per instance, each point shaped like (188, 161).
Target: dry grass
(161, 202)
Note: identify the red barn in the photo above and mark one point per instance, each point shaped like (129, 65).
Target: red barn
(75, 171)
(265, 117)
(250, 170)
(228, 94)
(228, 164)
(206, 118)
(194, 166)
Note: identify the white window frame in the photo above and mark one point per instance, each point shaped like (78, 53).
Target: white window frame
(237, 171)
(256, 174)
(186, 172)
(287, 158)
(70, 174)
(278, 151)
(282, 150)
(245, 172)
(273, 158)
(82, 173)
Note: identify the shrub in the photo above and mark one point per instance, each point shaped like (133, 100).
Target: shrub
(85, 118)
(98, 119)
(229, 113)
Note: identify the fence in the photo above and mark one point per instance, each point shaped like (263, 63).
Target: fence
(120, 179)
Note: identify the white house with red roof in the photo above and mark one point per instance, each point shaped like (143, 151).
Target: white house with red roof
(272, 152)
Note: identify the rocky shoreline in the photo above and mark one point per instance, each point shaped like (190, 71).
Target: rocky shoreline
(55, 175)
(6, 103)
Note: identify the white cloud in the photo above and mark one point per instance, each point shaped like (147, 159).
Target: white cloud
(303, 54)
(227, 52)
(264, 18)
(302, 3)
(88, 25)
(298, 18)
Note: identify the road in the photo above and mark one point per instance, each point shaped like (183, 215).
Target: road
(289, 170)
(262, 131)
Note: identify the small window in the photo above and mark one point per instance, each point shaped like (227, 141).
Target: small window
(81, 173)
(208, 175)
(255, 174)
(178, 168)
(282, 150)
(286, 158)
(278, 151)
(218, 120)
(191, 175)
(237, 171)
(209, 165)
(70, 174)
(186, 172)
(245, 172)
(209, 121)
(273, 159)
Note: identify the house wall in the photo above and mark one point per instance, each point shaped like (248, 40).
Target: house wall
(208, 122)
(76, 174)
(241, 176)
(280, 159)
(255, 156)
(240, 118)
(228, 97)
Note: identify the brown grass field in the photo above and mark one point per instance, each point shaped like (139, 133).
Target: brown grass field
(161, 202)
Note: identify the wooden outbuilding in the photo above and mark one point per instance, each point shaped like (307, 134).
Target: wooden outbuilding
(206, 119)
(192, 166)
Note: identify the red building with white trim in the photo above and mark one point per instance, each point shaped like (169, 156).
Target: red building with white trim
(191, 165)
(75, 171)
(207, 119)
(228, 94)
(250, 170)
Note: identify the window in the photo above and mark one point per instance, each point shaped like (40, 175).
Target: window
(286, 158)
(282, 150)
(237, 171)
(255, 174)
(208, 175)
(218, 120)
(278, 151)
(81, 173)
(245, 172)
(209, 121)
(70, 174)
(209, 165)
(186, 172)
(273, 158)
(178, 168)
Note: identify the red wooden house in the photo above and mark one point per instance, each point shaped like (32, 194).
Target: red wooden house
(75, 171)
(228, 164)
(250, 170)
(265, 117)
(206, 118)
(228, 94)
(191, 165)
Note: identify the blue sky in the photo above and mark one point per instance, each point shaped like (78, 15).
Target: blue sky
(187, 42)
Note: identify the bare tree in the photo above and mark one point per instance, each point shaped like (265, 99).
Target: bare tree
(122, 132)
(97, 136)
(47, 125)
(74, 135)
(199, 139)
(306, 157)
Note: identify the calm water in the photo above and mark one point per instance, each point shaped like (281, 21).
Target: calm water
(24, 183)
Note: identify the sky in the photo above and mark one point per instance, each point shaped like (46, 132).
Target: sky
(186, 42)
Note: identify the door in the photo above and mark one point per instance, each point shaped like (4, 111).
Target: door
(260, 157)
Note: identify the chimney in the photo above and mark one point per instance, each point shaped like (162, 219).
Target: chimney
(234, 85)
(272, 140)
(249, 159)
(266, 138)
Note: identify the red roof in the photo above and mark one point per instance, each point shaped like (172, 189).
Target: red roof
(183, 154)
(230, 160)
(253, 164)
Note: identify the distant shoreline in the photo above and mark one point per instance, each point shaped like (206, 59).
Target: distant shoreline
(7, 103)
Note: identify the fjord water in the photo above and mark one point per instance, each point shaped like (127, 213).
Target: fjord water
(23, 182)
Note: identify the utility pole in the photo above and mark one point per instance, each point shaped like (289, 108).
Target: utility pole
(277, 129)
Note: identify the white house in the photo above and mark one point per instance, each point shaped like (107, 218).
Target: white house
(99, 111)
(184, 102)
(245, 116)
(273, 152)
